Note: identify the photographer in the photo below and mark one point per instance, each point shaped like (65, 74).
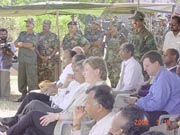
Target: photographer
(7, 50)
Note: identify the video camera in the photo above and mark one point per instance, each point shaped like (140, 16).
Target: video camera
(5, 46)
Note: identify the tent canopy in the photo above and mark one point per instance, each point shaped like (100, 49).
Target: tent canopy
(67, 8)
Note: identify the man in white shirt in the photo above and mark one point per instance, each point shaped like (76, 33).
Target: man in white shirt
(131, 77)
(172, 38)
(98, 106)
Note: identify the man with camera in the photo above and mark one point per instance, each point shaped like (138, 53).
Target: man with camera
(7, 50)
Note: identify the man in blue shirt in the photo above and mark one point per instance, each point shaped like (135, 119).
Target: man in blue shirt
(164, 93)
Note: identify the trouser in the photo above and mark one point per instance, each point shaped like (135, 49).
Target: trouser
(27, 77)
(33, 96)
(4, 84)
(30, 125)
(37, 105)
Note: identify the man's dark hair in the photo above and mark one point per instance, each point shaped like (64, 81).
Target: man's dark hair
(137, 120)
(128, 47)
(153, 57)
(103, 95)
(79, 57)
(176, 18)
(72, 53)
(3, 29)
(153, 133)
(174, 52)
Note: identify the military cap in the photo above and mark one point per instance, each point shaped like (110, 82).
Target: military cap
(48, 22)
(161, 18)
(138, 15)
(31, 20)
(72, 23)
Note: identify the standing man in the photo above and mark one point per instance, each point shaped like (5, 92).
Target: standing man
(46, 50)
(113, 41)
(172, 38)
(140, 37)
(95, 37)
(73, 39)
(27, 43)
(6, 52)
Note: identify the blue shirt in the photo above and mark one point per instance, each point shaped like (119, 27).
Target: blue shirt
(164, 93)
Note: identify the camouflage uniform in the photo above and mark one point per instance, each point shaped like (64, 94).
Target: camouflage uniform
(70, 42)
(46, 45)
(112, 57)
(95, 50)
(143, 40)
(27, 58)
(160, 33)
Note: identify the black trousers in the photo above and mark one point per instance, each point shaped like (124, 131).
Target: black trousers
(33, 96)
(30, 125)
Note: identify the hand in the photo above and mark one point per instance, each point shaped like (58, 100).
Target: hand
(49, 118)
(44, 58)
(131, 100)
(172, 126)
(79, 113)
(20, 44)
(70, 77)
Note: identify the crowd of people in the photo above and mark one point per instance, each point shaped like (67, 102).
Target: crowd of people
(117, 100)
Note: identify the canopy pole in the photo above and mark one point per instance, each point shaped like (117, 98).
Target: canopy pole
(58, 72)
(138, 5)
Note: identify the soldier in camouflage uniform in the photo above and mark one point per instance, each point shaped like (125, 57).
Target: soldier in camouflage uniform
(140, 37)
(95, 37)
(47, 48)
(160, 32)
(27, 69)
(73, 39)
(113, 42)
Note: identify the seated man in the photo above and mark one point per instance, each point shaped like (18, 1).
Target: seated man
(171, 57)
(98, 106)
(164, 92)
(41, 122)
(60, 100)
(130, 120)
(131, 77)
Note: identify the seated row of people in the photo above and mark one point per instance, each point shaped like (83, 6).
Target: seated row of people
(163, 96)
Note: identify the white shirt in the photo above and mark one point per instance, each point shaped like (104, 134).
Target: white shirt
(102, 126)
(63, 98)
(67, 70)
(171, 41)
(133, 77)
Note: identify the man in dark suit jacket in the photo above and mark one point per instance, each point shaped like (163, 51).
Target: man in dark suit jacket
(171, 57)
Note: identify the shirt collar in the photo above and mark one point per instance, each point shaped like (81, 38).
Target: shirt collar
(171, 68)
(129, 60)
(104, 119)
